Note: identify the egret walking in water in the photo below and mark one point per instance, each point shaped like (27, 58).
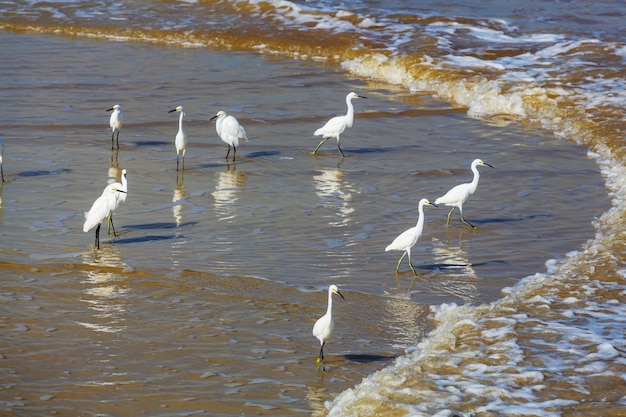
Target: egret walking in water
(123, 187)
(100, 210)
(407, 239)
(181, 137)
(116, 122)
(230, 131)
(335, 126)
(460, 193)
(324, 326)
(1, 158)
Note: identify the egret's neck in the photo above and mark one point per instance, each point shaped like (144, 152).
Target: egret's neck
(474, 183)
(330, 302)
(180, 119)
(350, 113)
(420, 216)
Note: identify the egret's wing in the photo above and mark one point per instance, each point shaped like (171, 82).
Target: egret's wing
(233, 129)
(99, 210)
(403, 240)
(332, 128)
(457, 194)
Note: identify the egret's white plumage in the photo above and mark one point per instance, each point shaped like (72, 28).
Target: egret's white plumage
(407, 239)
(460, 193)
(100, 210)
(181, 137)
(1, 158)
(123, 186)
(230, 131)
(324, 326)
(116, 122)
(335, 126)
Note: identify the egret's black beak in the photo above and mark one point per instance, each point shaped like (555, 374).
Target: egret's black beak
(110, 109)
(214, 117)
(172, 111)
(341, 295)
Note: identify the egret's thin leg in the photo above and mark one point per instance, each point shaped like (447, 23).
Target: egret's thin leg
(318, 146)
(340, 151)
(183, 161)
(2, 172)
(449, 213)
(399, 261)
(113, 140)
(98, 236)
(117, 139)
(467, 223)
(408, 252)
(234, 153)
(321, 355)
(111, 226)
(177, 158)
(228, 153)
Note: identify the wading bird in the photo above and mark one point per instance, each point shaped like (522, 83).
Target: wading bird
(335, 126)
(324, 326)
(116, 122)
(181, 137)
(460, 193)
(123, 187)
(407, 239)
(230, 131)
(100, 210)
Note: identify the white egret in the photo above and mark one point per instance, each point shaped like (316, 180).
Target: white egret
(324, 326)
(230, 131)
(460, 193)
(407, 239)
(1, 158)
(116, 122)
(123, 187)
(335, 126)
(181, 137)
(100, 210)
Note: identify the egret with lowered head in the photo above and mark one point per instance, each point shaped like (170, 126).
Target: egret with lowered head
(230, 131)
(324, 326)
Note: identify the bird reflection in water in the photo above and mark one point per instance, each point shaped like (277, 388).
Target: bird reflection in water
(179, 194)
(457, 276)
(105, 291)
(226, 192)
(335, 192)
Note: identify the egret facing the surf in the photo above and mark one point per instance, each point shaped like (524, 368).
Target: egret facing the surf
(181, 137)
(116, 122)
(407, 239)
(335, 126)
(324, 326)
(460, 193)
(230, 131)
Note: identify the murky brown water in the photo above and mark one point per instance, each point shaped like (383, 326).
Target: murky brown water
(206, 300)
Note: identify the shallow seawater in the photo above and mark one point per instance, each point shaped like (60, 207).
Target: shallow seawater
(206, 299)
